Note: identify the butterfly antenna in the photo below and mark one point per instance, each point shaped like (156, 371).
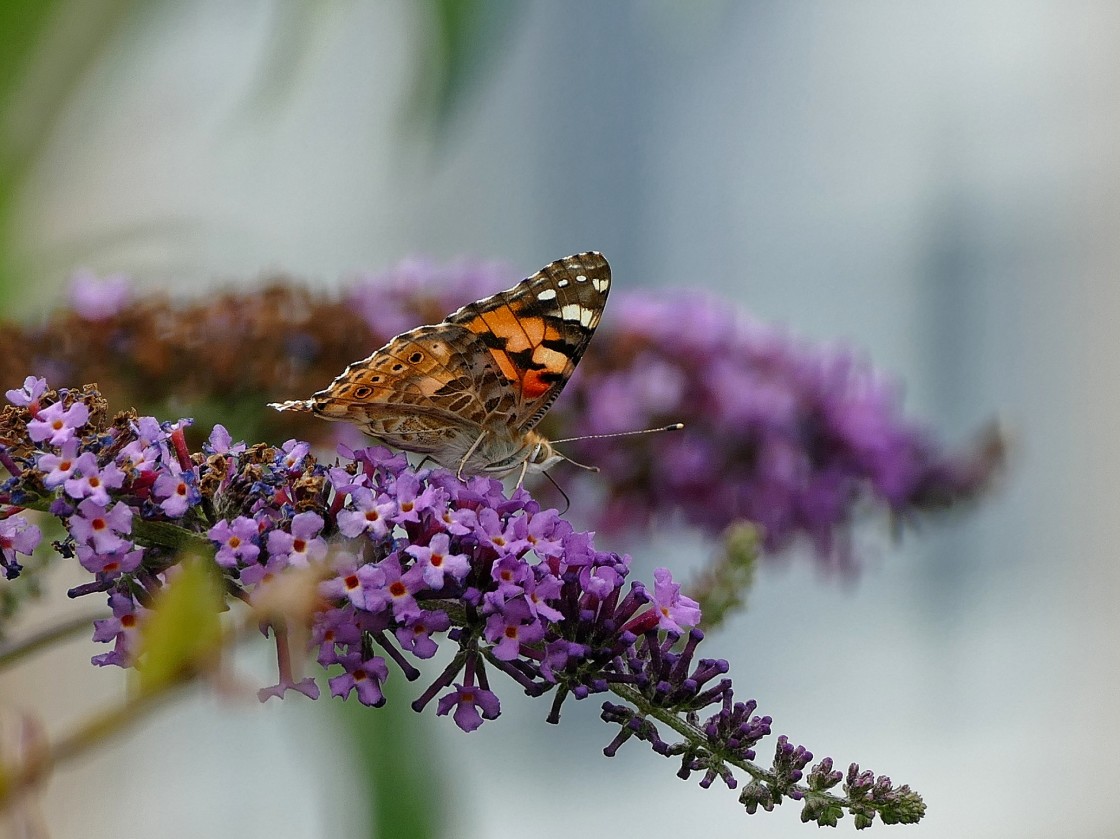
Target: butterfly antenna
(676, 426)
(567, 500)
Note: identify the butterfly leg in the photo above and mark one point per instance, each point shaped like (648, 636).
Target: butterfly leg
(467, 456)
(524, 469)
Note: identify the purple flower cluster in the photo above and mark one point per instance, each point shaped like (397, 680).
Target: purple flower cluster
(408, 549)
(785, 435)
(401, 561)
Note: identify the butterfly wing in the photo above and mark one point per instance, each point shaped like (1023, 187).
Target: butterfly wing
(477, 383)
(428, 390)
(536, 332)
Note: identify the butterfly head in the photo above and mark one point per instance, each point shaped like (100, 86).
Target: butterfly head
(541, 454)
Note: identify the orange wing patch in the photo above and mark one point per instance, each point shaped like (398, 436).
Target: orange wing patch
(534, 384)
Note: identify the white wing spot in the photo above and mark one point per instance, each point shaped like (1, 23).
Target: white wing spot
(581, 278)
(600, 284)
(586, 317)
(562, 283)
(574, 311)
(547, 294)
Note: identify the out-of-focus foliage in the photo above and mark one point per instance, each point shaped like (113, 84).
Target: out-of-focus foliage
(48, 46)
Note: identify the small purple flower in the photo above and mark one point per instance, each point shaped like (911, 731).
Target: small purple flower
(220, 442)
(467, 700)
(148, 450)
(56, 423)
(436, 560)
(32, 389)
(362, 586)
(600, 579)
(512, 576)
(58, 466)
(366, 677)
(237, 541)
(412, 502)
(538, 595)
(335, 628)
(294, 454)
(110, 565)
(122, 629)
(397, 590)
(303, 545)
(255, 573)
(373, 514)
(677, 613)
(307, 686)
(87, 480)
(416, 633)
(504, 539)
(17, 535)
(507, 631)
(100, 528)
(343, 481)
(178, 490)
(140, 457)
(99, 298)
(545, 532)
(458, 521)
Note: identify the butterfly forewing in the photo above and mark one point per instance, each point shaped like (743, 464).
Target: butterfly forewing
(537, 331)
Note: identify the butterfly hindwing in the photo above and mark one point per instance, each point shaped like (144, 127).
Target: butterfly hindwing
(425, 390)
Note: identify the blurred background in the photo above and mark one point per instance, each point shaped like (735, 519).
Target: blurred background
(936, 184)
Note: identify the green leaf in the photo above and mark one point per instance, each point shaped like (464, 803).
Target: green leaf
(182, 634)
(47, 50)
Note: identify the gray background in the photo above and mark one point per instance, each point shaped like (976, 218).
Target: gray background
(936, 184)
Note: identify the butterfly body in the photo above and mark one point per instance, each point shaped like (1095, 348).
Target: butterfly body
(469, 392)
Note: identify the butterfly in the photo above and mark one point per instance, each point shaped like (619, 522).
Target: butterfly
(469, 392)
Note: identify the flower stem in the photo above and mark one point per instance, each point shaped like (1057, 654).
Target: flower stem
(13, 653)
(15, 779)
(697, 737)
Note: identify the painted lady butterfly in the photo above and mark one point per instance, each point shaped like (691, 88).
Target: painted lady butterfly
(468, 392)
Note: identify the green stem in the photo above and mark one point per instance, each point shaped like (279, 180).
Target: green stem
(96, 729)
(15, 652)
(16, 779)
(161, 533)
(690, 732)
